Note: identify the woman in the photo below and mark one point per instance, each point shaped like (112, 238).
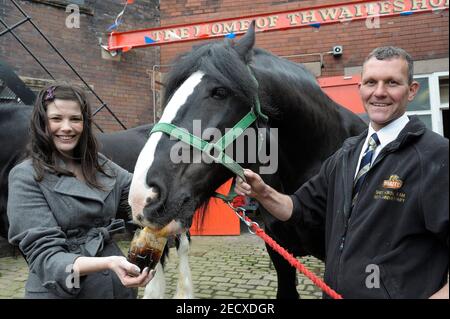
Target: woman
(62, 202)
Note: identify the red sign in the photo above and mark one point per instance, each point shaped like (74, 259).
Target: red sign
(275, 21)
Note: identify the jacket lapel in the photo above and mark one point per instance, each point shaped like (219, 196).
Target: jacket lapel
(351, 149)
(71, 186)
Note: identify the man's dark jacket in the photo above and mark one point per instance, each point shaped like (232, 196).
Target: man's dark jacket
(394, 242)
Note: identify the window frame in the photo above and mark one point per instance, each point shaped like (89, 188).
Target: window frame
(435, 110)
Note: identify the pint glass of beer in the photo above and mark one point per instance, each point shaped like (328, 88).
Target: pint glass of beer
(146, 248)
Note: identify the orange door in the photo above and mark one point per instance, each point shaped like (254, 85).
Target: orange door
(218, 219)
(343, 90)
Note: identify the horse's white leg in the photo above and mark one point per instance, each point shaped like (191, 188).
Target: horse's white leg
(157, 286)
(185, 289)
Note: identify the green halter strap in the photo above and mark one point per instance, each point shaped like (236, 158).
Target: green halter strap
(208, 148)
(222, 143)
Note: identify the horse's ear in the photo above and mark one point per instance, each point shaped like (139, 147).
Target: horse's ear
(245, 44)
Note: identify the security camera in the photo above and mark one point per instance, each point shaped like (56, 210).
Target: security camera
(337, 50)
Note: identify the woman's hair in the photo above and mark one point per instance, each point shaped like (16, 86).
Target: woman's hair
(42, 149)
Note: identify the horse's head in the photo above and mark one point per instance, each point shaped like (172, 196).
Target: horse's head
(208, 91)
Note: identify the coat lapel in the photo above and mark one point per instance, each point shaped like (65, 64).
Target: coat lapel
(352, 147)
(71, 186)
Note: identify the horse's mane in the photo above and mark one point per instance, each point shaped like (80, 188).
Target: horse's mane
(282, 69)
(295, 87)
(217, 60)
(221, 62)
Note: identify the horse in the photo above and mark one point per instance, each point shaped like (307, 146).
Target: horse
(218, 84)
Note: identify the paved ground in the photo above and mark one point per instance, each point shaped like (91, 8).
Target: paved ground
(228, 267)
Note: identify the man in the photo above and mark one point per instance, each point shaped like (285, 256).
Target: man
(383, 197)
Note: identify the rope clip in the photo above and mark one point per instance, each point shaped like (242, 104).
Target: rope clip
(240, 212)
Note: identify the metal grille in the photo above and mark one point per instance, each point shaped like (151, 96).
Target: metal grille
(10, 29)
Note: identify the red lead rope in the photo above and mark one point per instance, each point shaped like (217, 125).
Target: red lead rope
(289, 257)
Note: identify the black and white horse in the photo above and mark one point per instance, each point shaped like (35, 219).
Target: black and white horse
(216, 85)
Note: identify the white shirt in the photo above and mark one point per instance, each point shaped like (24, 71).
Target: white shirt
(386, 135)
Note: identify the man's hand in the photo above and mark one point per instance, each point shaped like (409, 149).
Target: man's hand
(441, 294)
(277, 204)
(254, 187)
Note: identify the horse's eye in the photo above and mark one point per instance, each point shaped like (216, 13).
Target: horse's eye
(219, 93)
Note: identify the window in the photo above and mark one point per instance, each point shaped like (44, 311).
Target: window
(443, 90)
(431, 102)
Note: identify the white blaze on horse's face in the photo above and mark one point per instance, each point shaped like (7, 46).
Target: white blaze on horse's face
(140, 194)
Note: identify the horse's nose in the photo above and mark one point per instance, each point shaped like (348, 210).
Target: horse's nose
(154, 195)
(143, 196)
(140, 218)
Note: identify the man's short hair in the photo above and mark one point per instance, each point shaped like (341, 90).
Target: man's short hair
(390, 52)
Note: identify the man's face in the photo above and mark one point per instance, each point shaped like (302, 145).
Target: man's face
(385, 91)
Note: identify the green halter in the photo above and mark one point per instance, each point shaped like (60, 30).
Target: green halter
(222, 143)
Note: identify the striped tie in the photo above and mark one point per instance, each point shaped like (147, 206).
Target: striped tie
(364, 167)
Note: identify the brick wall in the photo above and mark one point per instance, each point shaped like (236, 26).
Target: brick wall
(424, 35)
(124, 85)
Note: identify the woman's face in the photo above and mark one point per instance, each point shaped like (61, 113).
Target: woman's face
(66, 124)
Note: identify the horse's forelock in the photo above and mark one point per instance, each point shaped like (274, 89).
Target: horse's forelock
(184, 65)
(218, 61)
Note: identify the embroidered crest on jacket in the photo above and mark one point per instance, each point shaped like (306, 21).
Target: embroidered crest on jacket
(394, 182)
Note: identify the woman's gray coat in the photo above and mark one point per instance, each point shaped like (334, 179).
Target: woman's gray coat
(59, 219)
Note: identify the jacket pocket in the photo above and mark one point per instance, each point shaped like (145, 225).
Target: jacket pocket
(388, 283)
(34, 284)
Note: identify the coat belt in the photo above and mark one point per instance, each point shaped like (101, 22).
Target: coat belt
(92, 242)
